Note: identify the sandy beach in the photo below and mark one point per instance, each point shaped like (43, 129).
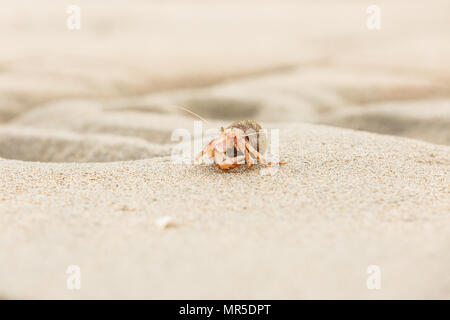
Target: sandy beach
(86, 135)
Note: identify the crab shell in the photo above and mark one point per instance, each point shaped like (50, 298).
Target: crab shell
(256, 135)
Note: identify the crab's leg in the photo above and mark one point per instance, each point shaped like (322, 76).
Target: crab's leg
(240, 143)
(229, 163)
(227, 167)
(218, 157)
(256, 154)
(209, 149)
(259, 156)
(250, 161)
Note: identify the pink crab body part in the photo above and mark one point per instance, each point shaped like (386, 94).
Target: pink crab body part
(240, 143)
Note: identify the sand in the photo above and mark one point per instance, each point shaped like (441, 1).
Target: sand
(344, 201)
(86, 133)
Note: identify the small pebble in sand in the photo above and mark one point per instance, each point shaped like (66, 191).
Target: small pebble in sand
(164, 222)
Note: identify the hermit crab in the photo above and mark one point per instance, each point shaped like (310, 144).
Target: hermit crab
(242, 142)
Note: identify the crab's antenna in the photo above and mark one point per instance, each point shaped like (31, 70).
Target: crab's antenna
(193, 113)
(250, 134)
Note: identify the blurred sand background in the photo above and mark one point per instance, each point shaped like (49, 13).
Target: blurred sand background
(86, 119)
